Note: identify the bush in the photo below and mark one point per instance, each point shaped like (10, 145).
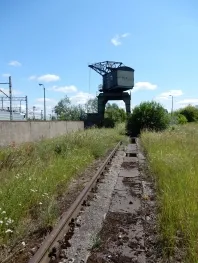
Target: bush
(190, 112)
(108, 123)
(181, 119)
(148, 115)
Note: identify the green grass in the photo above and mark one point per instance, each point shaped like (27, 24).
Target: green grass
(173, 160)
(34, 174)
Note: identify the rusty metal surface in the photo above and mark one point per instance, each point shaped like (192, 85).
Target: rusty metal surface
(57, 234)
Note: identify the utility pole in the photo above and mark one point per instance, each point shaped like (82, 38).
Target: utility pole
(52, 113)
(41, 114)
(20, 107)
(10, 95)
(44, 104)
(44, 101)
(172, 105)
(34, 112)
(26, 102)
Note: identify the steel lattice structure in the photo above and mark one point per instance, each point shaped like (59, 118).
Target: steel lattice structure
(105, 67)
(20, 99)
(13, 98)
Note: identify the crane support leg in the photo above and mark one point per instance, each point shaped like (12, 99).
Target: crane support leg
(127, 101)
(104, 97)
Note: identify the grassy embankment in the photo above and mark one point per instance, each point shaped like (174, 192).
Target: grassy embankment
(33, 175)
(173, 160)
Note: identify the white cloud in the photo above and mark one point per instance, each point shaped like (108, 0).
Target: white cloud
(125, 35)
(116, 40)
(65, 89)
(6, 91)
(188, 101)
(45, 78)
(14, 63)
(166, 95)
(51, 101)
(144, 86)
(32, 77)
(81, 98)
(5, 75)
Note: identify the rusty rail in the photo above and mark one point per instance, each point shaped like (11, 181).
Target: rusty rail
(57, 234)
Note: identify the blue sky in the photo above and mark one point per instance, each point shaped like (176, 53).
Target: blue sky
(53, 42)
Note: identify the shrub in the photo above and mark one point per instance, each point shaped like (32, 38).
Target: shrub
(181, 119)
(148, 115)
(190, 112)
(108, 123)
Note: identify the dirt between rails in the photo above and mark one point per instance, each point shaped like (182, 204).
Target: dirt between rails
(129, 232)
(20, 254)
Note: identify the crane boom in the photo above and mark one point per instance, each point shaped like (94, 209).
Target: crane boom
(105, 67)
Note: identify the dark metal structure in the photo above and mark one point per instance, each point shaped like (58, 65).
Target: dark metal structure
(10, 95)
(19, 99)
(105, 67)
(10, 98)
(117, 79)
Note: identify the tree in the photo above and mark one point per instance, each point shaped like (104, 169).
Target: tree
(62, 108)
(66, 111)
(148, 115)
(190, 112)
(92, 105)
(115, 113)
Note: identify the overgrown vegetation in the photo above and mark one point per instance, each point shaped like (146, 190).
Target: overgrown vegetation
(181, 119)
(114, 113)
(148, 115)
(33, 175)
(172, 157)
(190, 112)
(65, 110)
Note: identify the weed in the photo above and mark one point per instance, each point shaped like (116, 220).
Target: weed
(96, 242)
(34, 174)
(172, 157)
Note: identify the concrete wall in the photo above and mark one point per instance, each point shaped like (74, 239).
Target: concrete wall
(29, 131)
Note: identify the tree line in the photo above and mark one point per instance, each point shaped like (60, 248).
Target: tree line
(65, 110)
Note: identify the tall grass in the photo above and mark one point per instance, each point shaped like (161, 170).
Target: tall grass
(173, 160)
(34, 174)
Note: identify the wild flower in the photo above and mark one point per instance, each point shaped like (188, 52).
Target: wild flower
(10, 221)
(8, 231)
(33, 190)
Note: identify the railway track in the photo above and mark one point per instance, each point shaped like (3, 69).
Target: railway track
(50, 248)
